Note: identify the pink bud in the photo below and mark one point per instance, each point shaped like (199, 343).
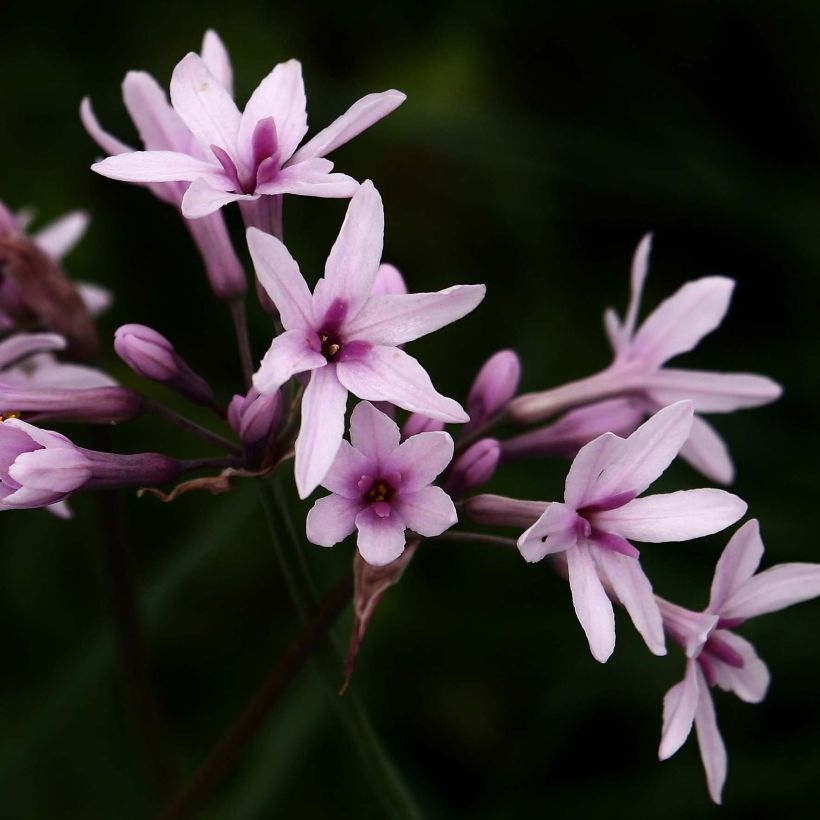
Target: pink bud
(494, 386)
(416, 423)
(252, 417)
(497, 510)
(475, 466)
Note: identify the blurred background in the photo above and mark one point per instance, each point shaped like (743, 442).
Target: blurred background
(538, 143)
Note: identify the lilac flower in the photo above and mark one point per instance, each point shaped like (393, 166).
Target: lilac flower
(244, 155)
(719, 657)
(40, 468)
(162, 130)
(382, 487)
(348, 338)
(601, 512)
(674, 327)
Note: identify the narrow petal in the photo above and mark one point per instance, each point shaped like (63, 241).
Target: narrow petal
(706, 451)
(397, 319)
(354, 258)
(21, 345)
(373, 433)
(215, 56)
(331, 519)
(712, 392)
(750, 682)
(680, 322)
(359, 117)
(279, 275)
(712, 750)
(689, 629)
(737, 564)
(640, 268)
(109, 143)
(679, 707)
(614, 331)
(389, 374)
(59, 469)
(635, 593)
(553, 532)
(420, 459)
(160, 166)
(592, 606)
(96, 298)
(347, 470)
(428, 511)
(159, 126)
(678, 516)
(381, 540)
(280, 95)
(774, 589)
(647, 453)
(289, 354)
(202, 199)
(587, 468)
(323, 422)
(205, 106)
(59, 237)
(301, 181)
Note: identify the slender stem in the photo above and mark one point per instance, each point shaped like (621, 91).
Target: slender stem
(384, 778)
(211, 463)
(477, 538)
(230, 748)
(243, 341)
(190, 426)
(131, 643)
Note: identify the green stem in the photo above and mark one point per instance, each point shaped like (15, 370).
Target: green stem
(387, 784)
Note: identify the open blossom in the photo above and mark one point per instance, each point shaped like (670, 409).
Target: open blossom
(601, 513)
(347, 338)
(244, 155)
(719, 657)
(638, 369)
(381, 487)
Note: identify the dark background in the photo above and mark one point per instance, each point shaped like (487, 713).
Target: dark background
(538, 143)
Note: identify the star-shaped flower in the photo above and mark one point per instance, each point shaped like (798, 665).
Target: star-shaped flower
(601, 513)
(347, 337)
(381, 486)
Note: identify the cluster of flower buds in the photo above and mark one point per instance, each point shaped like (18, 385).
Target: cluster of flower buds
(392, 485)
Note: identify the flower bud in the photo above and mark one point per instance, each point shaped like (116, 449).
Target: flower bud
(416, 423)
(475, 466)
(494, 386)
(97, 405)
(497, 510)
(252, 417)
(150, 355)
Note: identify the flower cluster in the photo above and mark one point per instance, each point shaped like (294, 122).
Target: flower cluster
(401, 478)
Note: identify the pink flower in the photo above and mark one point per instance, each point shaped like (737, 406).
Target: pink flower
(348, 338)
(674, 327)
(601, 512)
(718, 657)
(240, 156)
(382, 487)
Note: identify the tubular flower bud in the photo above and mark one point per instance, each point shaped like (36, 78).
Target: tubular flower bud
(253, 416)
(97, 405)
(497, 510)
(417, 423)
(152, 356)
(475, 466)
(494, 386)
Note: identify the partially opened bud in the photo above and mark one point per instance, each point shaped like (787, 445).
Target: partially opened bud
(150, 355)
(253, 416)
(494, 386)
(475, 466)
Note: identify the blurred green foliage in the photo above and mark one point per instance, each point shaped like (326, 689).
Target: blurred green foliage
(538, 142)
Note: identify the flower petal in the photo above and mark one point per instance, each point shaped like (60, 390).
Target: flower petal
(397, 319)
(712, 392)
(640, 268)
(689, 629)
(323, 422)
(215, 56)
(388, 281)
(17, 347)
(678, 516)
(774, 589)
(421, 458)
(632, 587)
(160, 166)
(280, 95)
(736, 565)
(57, 469)
(679, 706)
(288, 354)
(159, 126)
(202, 199)
(428, 511)
(331, 519)
(592, 606)
(680, 322)
(750, 682)
(359, 117)
(706, 451)
(109, 143)
(553, 532)
(279, 275)
(712, 750)
(347, 470)
(310, 178)
(587, 468)
(381, 540)
(389, 374)
(60, 236)
(373, 433)
(205, 106)
(354, 258)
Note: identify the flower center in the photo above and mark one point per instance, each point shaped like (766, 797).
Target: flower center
(380, 491)
(331, 345)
